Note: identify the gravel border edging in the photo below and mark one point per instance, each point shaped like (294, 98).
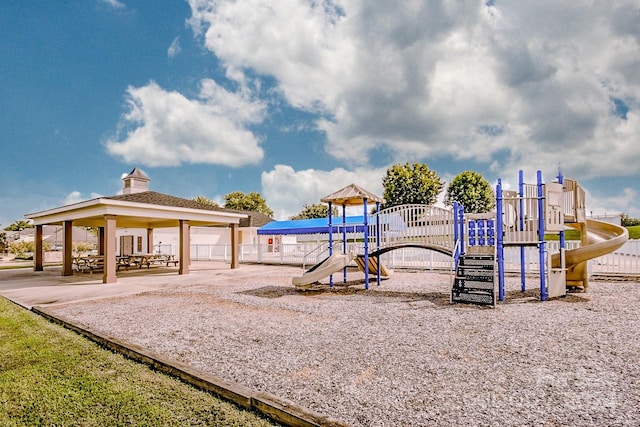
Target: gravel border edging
(271, 406)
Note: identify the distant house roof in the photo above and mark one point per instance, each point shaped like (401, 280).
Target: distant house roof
(312, 226)
(255, 219)
(54, 234)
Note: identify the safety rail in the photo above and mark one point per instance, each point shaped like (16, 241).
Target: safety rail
(624, 261)
(317, 252)
(423, 224)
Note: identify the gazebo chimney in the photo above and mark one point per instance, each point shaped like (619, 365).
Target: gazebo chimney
(135, 182)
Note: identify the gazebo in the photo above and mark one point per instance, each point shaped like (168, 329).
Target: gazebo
(353, 195)
(137, 207)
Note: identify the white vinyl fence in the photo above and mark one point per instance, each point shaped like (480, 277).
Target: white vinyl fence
(624, 261)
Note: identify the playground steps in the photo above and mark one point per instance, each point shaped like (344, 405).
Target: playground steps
(373, 265)
(474, 281)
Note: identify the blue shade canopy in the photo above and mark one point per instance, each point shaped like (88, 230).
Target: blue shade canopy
(312, 226)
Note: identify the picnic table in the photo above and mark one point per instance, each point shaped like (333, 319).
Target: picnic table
(141, 259)
(91, 263)
(88, 263)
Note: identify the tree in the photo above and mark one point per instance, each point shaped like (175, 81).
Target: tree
(627, 221)
(19, 225)
(411, 184)
(247, 202)
(472, 191)
(318, 210)
(205, 201)
(93, 230)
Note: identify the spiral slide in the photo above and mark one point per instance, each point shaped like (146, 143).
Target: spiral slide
(330, 265)
(602, 238)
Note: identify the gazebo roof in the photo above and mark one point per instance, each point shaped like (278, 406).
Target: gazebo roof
(351, 195)
(155, 198)
(147, 209)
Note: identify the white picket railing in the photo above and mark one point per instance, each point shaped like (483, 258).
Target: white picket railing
(623, 261)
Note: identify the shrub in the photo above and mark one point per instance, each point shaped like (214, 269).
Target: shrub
(22, 248)
(82, 246)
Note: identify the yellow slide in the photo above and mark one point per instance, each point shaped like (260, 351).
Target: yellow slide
(599, 238)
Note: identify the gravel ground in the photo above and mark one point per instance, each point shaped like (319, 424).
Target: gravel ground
(398, 354)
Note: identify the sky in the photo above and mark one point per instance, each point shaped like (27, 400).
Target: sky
(296, 99)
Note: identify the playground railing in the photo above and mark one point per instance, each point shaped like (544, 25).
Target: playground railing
(624, 261)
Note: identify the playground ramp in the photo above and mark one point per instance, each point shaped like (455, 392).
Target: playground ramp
(602, 238)
(375, 263)
(325, 268)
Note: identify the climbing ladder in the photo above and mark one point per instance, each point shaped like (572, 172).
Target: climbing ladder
(475, 273)
(474, 281)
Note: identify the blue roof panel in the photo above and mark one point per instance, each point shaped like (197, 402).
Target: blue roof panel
(311, 226)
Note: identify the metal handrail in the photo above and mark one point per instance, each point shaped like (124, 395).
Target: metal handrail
(324, 247)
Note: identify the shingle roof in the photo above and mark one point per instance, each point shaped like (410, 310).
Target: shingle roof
(155, 198)
(254, 219)
(351, 195)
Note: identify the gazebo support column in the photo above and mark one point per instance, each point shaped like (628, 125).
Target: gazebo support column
(67, 249)
(235, 262)
(109, 274)
(150, 240)
(100, 240)
(185, 246)
(39, 253)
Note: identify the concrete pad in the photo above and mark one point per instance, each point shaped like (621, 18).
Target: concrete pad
(30, 288)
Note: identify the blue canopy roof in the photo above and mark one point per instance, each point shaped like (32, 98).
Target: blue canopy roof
(312, 226)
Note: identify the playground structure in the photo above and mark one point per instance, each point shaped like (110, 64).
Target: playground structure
(475, 242)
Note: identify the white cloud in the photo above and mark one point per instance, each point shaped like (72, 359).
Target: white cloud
(76, 197)
(511, 84)
(625, 201)
(174, 49)
(286, 190)
(164, 128)
(114, 4)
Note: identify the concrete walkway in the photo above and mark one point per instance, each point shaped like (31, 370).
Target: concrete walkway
(30, 288)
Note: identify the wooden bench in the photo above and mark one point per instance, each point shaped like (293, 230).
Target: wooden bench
(89, 264)
(156, 259)
(171, 259)
(123, 262)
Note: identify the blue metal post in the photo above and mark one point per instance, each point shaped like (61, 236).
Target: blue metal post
(500, 240)
(523, 268)
(561, 181)
(330, 240)
(366, 246)
(344, 239)
(562, 237)
(378, 237)
(541, 243)
(456, 235)
(461, 231)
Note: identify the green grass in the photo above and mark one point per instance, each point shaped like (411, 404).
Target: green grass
(634, 232)
(50, 376)
(568, 235)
